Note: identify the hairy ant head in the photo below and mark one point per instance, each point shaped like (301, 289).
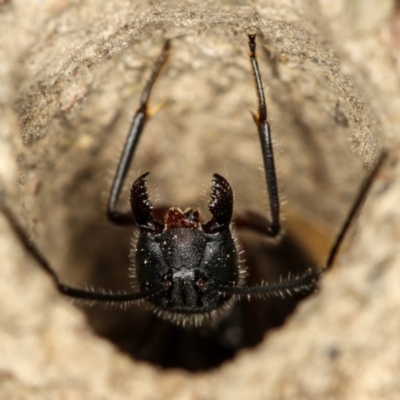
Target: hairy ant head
(189, 259)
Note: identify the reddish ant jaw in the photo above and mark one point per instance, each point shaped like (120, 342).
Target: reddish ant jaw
(176, 218)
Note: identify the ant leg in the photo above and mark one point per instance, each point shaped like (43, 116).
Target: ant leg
(303, 283)
(65, 289)
(273, 227)
(365, 188)
(307, 281)
(136, 129)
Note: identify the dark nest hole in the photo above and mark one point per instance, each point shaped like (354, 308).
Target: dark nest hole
(141, 334)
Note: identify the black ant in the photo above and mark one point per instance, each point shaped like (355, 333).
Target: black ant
(189, 270)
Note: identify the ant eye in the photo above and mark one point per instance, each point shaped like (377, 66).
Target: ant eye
(201, 284)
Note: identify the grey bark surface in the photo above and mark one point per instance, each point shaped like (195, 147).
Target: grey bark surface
(71, 75)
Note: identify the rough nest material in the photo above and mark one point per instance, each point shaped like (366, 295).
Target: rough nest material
(71, 73)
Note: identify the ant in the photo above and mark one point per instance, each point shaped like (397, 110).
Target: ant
(189, 270)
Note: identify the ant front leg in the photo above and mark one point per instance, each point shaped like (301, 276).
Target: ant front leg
(121, 218)
(135, 131)
(269, 227)
(307, 281)
(272, 227)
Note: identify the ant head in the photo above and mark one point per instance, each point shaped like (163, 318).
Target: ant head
(190, 260)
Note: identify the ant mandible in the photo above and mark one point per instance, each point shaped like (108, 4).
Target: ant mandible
(188, 270)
